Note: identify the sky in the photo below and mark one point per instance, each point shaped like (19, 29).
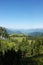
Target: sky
(21, 14)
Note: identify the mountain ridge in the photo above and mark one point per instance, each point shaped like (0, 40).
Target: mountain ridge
(24, 30)
(32, 32)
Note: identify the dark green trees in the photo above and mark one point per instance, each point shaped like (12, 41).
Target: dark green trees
(3, 33)
(37, 46)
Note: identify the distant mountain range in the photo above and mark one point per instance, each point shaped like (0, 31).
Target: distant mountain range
(10, 31)
(36, 34)
(32, 32)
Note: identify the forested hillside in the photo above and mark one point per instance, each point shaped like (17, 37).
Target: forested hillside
(20, 49)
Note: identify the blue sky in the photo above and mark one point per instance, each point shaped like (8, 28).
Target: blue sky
(21, 14)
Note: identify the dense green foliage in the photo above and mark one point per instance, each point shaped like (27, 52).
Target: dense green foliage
(3, 33)
(29, 46)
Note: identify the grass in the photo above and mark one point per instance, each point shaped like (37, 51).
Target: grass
(19, 39)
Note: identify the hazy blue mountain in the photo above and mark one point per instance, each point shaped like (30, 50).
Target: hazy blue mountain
(32, 32)
(24, 31)
(10, 31)
(36, 34)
